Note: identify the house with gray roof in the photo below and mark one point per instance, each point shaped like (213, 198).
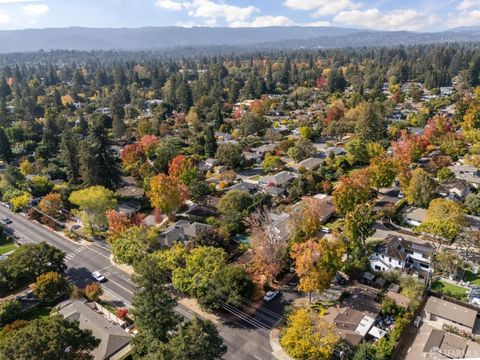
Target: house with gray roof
(280, 179)
(310, 164)
(447, 313)
(414, 215)
(114, 340)
(396, 253)
(467, 173)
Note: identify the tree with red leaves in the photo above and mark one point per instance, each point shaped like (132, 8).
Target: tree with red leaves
(132, 155)
(408, 148)
(122, 313)
(117, 222)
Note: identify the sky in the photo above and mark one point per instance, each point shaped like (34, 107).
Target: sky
(412, 15)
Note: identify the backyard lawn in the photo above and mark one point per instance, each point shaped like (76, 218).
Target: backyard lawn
(474, 279)
(445, 288)
(6, 246)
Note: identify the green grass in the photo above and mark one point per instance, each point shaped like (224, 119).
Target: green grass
(474, 279)
(6, 246)
(442, 287)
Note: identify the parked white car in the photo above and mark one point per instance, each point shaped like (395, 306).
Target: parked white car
(97, 276)
(269, 296)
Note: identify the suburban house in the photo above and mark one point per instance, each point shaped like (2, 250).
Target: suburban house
(253, 157)
(354, 318)
(182, 230)
(447, 313)
(414, 216)
(326, 206)
(114, 340)
(130, 207)
(337, 151)
(310, 164)
(468, 173)
(455, 189)
(278, 180)
(263, 149)
(244, 186)
(129, 187)
(206, 165)
(396, 253)
(280, 226)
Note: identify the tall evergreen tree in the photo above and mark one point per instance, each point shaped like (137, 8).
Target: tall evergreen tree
(5, 149)
(210, 142)
(153, 309)
(50, 133)
(97, 164)
(69, 155)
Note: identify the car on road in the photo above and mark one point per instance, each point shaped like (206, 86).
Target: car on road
(6, 221)
(269, 296)
(97, 276)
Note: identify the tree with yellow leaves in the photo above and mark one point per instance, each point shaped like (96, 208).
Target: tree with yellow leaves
(167, 193)
(316, 263)
(307, 337)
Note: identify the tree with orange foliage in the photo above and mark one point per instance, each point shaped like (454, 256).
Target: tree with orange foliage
(183, 168)
(148, 143)
(167, 193)
(352, 190)
(316, 263)
(51, 205)
(306, 218)
(132, 155)
(408, 148)
(93, 291)
(117, 222)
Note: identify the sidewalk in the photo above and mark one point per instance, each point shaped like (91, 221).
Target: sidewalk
(278, 351)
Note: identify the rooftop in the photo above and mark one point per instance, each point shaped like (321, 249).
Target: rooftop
(450, 311)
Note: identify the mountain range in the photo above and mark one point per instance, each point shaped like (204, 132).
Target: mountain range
(151, 38)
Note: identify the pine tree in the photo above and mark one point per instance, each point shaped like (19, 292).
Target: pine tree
(153, 309)
(50, 132)
(97, 165)
(210, 142)
(69, 155)
(83, 125)
(4, 88)
(118, 127)
(5, 149)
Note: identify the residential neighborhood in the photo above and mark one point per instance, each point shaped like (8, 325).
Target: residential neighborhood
(307, 204)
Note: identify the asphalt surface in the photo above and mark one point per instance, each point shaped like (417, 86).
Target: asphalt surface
(246, 335)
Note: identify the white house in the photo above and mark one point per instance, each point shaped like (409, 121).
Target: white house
(396, 253)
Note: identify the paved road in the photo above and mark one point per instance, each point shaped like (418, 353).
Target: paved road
(246, 339)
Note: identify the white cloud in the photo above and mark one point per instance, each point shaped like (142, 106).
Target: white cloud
(400, 19)
(171, 5)
(17, 1)
(4, 18)
(468, 4)
(318, 23)
(35, 9)
(213, 10)
(303, 4)
(322, 7)
(263, 21)
(471, 18)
